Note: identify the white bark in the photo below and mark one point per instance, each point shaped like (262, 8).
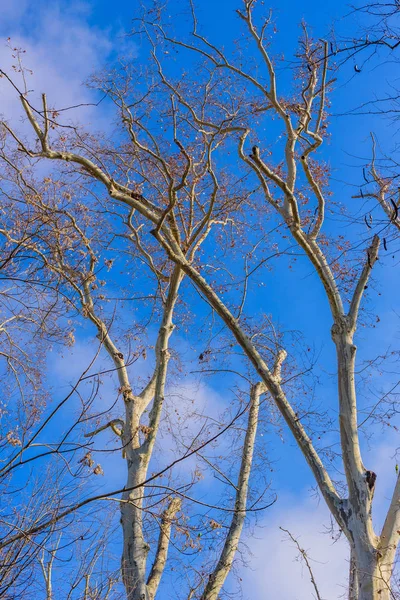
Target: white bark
(217, 578)
(161, 556)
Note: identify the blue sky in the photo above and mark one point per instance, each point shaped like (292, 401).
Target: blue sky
(65, 43)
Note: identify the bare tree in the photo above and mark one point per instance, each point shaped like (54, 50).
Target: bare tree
(67, 250)
(180, 185)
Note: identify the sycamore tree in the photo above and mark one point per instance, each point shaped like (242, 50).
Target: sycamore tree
(216, 178)
(88, 260)
(69, 248)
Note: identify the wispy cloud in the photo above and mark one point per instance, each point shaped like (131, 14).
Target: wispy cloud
(61, 50)
(275, 568)
(276, 571)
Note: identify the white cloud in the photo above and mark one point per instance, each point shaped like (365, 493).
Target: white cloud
(275, 569)
(275, 566)
(61, 49)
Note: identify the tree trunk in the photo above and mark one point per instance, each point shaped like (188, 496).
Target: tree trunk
(135, 549)
(373, 579)
(369, 577)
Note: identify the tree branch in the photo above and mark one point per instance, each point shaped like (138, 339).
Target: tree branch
(217, 577)
(389, 538)
(324, 481)
(372, 256)
(304, 556)
(117, 425)
(160, 559)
